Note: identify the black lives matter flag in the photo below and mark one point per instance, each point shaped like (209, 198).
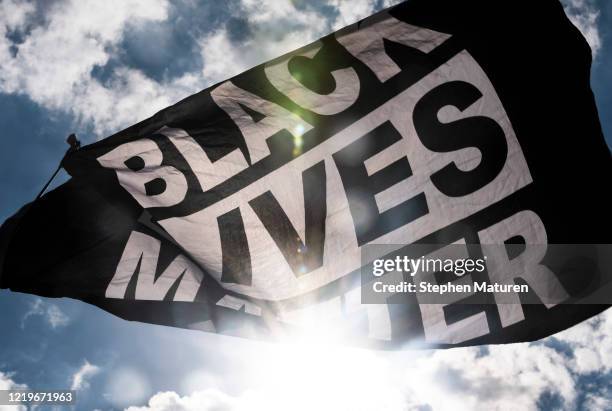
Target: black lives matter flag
(245, 209)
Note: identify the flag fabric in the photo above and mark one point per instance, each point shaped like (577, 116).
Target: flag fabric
(245, 209)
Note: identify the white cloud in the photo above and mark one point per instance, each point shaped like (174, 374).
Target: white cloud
(508, 377)
(54, 61)
(515, 376)
(351, 11)
(81, 376)
(6, 383)
(56, 317)
(276, 27)
(585, 15)
(599, 402)
(212, 399)
(51, 313)
(122, 378)
(14, 14)
(591, 342)
(53, 64)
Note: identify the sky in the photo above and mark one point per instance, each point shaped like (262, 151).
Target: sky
(95, 67)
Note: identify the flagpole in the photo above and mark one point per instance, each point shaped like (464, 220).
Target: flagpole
(74, 144)
(10, 225)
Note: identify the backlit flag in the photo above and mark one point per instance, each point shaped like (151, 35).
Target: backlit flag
(253, 207)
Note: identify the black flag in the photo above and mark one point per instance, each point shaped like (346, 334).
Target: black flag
(265, 204)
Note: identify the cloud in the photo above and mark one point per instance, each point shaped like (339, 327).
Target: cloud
(116, 392)
(212, 399)
(351, 11)
(555, 373)
(51, 313)
(519, 376)
(14, 14)
(599, 402)
(53, 62)
(508, 377)
(56, 317)
(6, 383)
(585, 15)
(274, 27)
(591, 342)
(81, 376)
(67, 58)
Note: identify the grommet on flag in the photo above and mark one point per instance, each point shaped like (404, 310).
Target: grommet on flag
(73, 142)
